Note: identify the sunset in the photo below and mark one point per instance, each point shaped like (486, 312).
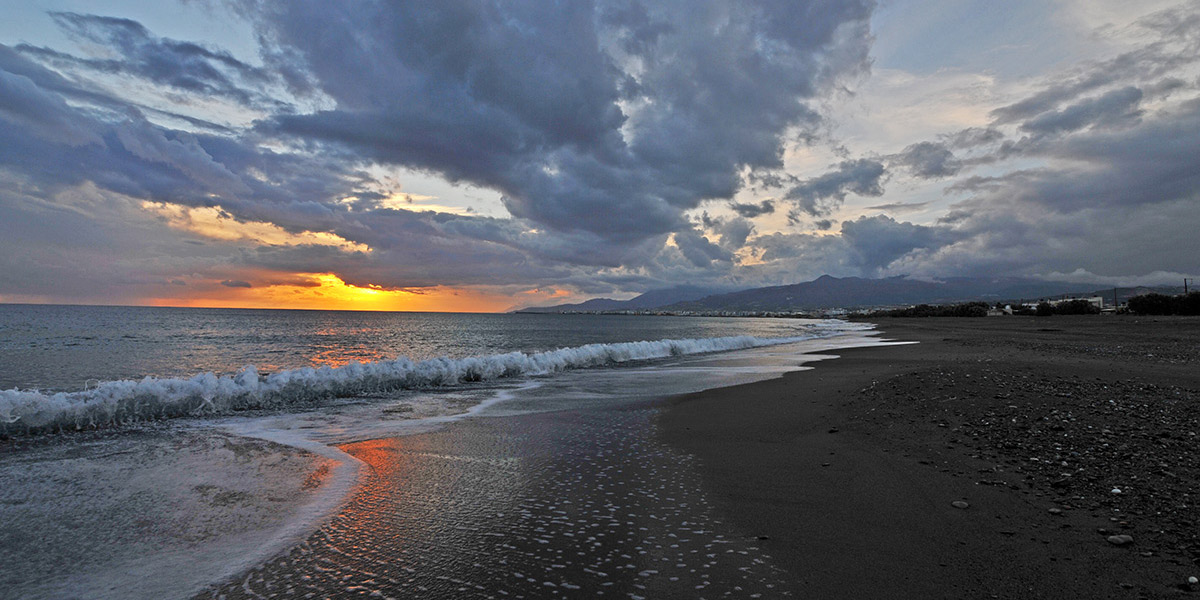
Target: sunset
(637, 299)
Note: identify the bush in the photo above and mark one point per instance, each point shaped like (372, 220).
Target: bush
(1161, 304)
(1076, 307)
(1045, 309)
(969, 309)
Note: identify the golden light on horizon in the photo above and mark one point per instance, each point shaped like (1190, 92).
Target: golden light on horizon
(327, 291)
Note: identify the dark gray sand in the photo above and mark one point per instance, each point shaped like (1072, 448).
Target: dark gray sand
(851, 470)
(980, 463)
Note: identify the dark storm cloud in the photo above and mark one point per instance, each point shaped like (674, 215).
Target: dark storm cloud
(822, 194)
(523, 97)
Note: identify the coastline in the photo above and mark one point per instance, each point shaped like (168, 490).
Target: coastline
(847, 472)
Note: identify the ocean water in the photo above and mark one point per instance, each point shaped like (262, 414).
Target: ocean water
(157, 451)
(70, 367)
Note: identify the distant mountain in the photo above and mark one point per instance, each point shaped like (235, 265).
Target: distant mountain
(648, 300)
(856, 292)
(852, 292)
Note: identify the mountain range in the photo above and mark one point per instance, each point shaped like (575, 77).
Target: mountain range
(828, 292)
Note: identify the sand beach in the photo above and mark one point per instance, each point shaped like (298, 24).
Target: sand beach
(1058, 434)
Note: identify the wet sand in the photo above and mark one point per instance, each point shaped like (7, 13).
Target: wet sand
(850, 470)
(557, 505)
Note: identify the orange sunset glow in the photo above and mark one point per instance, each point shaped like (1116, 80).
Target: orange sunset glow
(326, 291)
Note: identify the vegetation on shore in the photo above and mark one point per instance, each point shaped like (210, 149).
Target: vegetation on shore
(1145, 304)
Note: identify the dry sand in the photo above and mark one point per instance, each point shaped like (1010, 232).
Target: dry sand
(849, 473)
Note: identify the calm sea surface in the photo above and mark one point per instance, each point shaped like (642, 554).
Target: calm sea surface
(65, 348)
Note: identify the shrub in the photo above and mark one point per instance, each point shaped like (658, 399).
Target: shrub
(1151, 304)
(1076, 307)
(1045, 309)
(1161, 304)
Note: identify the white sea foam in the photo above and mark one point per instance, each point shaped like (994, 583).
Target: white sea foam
(206, 394)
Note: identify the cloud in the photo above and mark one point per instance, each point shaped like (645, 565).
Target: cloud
(899, 206)
(42, 113)
(234, 283)
(877, 242)
(612, 125)
(820, 195)
(751, 210)
(182, 65)
(1174, 47)
(928, 160)
(1112, 108)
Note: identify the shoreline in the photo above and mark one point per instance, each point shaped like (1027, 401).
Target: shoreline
(847, 472)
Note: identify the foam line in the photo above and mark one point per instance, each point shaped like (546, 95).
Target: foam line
(206, 394)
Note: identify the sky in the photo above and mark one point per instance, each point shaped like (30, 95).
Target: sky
(484, 156)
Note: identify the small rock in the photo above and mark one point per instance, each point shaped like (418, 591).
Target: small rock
(1120, 540)
(959, 504)
(1116, 490)
(1056, 511)
(833, 430)
(1192, 580)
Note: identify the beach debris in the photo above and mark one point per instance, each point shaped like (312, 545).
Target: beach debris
(1120, 540)
(960, 504)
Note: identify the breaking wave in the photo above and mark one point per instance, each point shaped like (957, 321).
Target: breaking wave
(206, 394)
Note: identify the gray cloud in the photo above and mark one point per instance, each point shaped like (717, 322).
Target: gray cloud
(179, 64)
(876, 242)
(523, 98)
(236, 283)
(1112, 108)
(1175, 47)
(751, 210)
(928, 160)
(820, 195)
(899, 206)
(972, 137)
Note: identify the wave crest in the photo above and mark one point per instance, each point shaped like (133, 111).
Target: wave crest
(206, 394)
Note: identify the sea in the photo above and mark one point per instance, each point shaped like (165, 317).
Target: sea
(150, 452)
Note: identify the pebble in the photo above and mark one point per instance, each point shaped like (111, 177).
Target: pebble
(959, 504)
(1056, 511)
(1120, 540)
(1192, 580)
